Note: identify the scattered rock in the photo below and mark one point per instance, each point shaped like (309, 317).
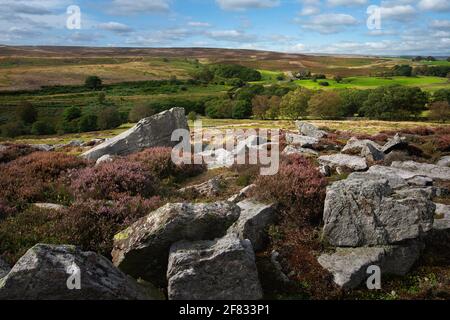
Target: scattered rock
(355, 146)
(442, 219)
(253, 222)
(423, 169)
(281, 276)
(396, 143)
(208, 189)
(250, 142)
(218, 158)
(301, 141)
(155, 131)
(49, 206)
(142, 249)
(335, 161)
(363, 210)
(43, 147)
(4, 268)
(371, 153)
(222, 269)
(75, 143)
(444, 162)
(104, 159)
(325, 170)
(349, 265)
(310, 130)
(93, 142)
(43, 274)
(244, 193)
(299, 150)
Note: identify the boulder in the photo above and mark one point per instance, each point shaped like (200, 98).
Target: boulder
(155, 131)
(49, 206)
(395, 143)
(335, 161)
(142, 249)
(208, 189)
(310, 130)
(349, 265)
(372, 153)
(223, 269)
(105, 158)
(4, 268)
(355, 146)
(423, 169)
(442, 218)
(75, 143)
(253, 223)
(365, 210)
(250, 142)
(301, 141)
(299, 150)
(444, 162)
(43, 147)
(244, 193)
(218, 158)
(44, 273)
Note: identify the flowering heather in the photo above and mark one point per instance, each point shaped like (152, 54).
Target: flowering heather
(14, 151)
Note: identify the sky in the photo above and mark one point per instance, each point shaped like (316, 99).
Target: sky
(369, 27)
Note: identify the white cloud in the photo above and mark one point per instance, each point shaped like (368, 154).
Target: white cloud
(309, 10)
(115, 27)
(335, 3)
(230, 35)
(124, 7)
(199, 24)
(329, 23)
(440, 24)
(399, 12)
(435, 5)
(247, 4)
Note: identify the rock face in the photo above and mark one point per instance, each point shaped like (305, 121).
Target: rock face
(253, 222)
(142, 249)
(442, 220)
(423, 169)
(43, 274)
(209, 188)
(155, 131)
(363, 210)
(301, 141)
(4, 268)
(336, 161)
(298, 150)
(310, 130)
(222, 269)
(349, 265)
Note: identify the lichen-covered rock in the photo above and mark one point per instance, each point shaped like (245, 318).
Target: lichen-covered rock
(299, 150)
(310, 130)
(142, 249)
(105, 158)
(223, 269)
(349, 265)
(396, 143)
(253, 222)
(444, 162)
(4, 268)
(336, 161)
(355, 146)
(442, 219)
(372, 153)
(301, 141)
(155, 131)
(423, 169)
(209, 188)
(363, 210)
(243, 194)
(44, 272)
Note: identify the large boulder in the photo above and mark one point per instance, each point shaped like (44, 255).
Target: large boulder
(365, 210)
(343, 161)
(45, 271)
(444, 162)
(301, 141)
(4, 268)
(222, 269)
(395, 143)
(349, 265)
(253, 222)
(423, 169)
(442, 219)
(142, 249)
(310, 130)
(299, 150)
(355, 146)
(155, 131)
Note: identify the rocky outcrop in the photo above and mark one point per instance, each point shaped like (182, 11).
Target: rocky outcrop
(343, 161)
(243, 194)
(49, 272)
(299, 150)
(253, 223)
(365, 148)
(222, 269)
(301, 141)
(365, 210)
(155, 131)
(310, 130)
(209, 188)
(142, 249)
(349, 265)
(4, 268)
(442, 219)
(423, 169)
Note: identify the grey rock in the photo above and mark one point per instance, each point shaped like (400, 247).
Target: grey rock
(325, 170)
(250, 142)
(49, 206)
(301, 141)
(253, 222)
(423, 169)
(352, 163)
(274, 259)
(299, 150)
(372, 153)
(209, 188)
(75, 143)
(363, 210)
(396, 143)
(4, 268)
(349, 265)
(444, 162)
(155, 131)
(44, 271)
(142, 249)
(243, 194)
(104, 159)
(355, 146)
(218, 158)
(442, 219)
(43, 147)
(222, 269)
(310, 130)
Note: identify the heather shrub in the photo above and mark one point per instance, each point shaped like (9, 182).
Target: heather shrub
(112, 180)
(443, 143)
(298, 187)
(36, 178)
(14, 151)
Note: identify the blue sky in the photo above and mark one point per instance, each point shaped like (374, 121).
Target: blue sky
(301, 26)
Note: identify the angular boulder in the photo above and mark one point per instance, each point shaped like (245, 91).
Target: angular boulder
(366, 211)
(423, 169)
(243, 193)
(45, 271)
(301, 141)
(442, 219)
(223, 269)
(349, 265)
(355, 146)
(253, 223)
(444, 162)
(155, 131)
(142, 249)
(337, 161)
(299, 150)
(395, 143)
(310, 130)
(4, 268)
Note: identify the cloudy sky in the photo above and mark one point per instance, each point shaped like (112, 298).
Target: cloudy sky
(302, 26)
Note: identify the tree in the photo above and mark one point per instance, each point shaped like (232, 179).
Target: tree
(108, 118)
(295, 104)
(219, 108)
(13, 129)
(93, 83)
(326, 105)
(42, 128)
(88, 122)
(404, 70)
(352, 101)
(242, 109)
(139, 112)
(102, 97)
(72, 113)
(442, 95)
(440, 111)
(192, 116)
(273, 111)
(260, 105)
(26, 113)
(338, 79)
